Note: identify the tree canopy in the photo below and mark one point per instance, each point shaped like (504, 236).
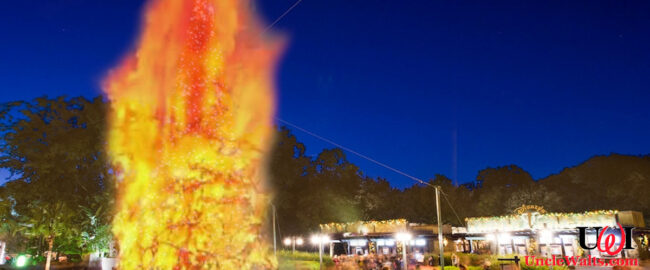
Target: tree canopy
(54, 150)
(328, 188)
(61, 187)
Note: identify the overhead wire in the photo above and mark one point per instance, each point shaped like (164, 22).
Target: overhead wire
(282, 16)
(420, 181)
(275, 212)
(355, 152)
(444, 195)
(371, 160)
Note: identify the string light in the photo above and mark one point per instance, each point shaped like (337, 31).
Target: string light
(541, 221)
(364, 227)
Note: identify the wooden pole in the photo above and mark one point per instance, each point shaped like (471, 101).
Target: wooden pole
(50, 243)
(275, 242)
(441, 244)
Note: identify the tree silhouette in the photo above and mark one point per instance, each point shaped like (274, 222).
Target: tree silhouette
(54, 149)
(62, 188)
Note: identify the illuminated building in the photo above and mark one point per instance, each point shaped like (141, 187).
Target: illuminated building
(380, 237)
(530, 230)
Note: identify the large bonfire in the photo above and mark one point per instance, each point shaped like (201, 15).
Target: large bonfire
(191, 120)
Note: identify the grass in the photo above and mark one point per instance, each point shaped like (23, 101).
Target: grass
(302, 260)
(298, 265)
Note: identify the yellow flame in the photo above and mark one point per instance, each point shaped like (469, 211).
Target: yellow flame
(191, 120)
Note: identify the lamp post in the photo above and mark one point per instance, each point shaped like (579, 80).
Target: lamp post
(275, 242)
(546, 237)
(320, 239)
(503, 239)
(293, 241)
(492, 238)
(404, 237)
(440, 233)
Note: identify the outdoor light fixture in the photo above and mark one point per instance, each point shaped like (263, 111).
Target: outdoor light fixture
(490, 237)
(320, 239)
(420, 242)
(504, 237)
(21, 261)
(315, 239)
(546, 236)
(292, 241)
(404, 237)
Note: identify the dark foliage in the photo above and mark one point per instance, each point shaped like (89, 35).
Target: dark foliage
(62, 188)
(328, 188)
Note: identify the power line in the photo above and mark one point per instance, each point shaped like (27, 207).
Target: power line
(348, 149)
(274, 213)
(354, 152)
(371, 160)
(452, 208)
(283, 14)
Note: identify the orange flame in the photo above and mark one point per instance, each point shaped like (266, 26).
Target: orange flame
(191, 119)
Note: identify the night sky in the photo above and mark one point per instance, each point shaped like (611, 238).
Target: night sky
(448, 87)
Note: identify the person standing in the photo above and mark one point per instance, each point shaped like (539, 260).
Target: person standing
(431, 261)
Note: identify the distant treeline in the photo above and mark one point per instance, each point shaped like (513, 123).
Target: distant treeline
(62, 188)
(328, 188)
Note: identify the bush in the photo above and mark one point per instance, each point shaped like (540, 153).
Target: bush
(474, 259)
(469, 259)
(74, 258)
(38, 259)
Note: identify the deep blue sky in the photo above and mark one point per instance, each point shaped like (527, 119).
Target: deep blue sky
(429, 87)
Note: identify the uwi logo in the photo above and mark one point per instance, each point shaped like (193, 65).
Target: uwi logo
(608, 243)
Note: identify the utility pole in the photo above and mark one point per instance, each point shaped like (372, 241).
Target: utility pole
(440, 238)
(275, 249)
(320, 252)
(405, 265)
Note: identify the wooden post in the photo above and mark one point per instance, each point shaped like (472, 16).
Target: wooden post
(441, 244)
(50, 243)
